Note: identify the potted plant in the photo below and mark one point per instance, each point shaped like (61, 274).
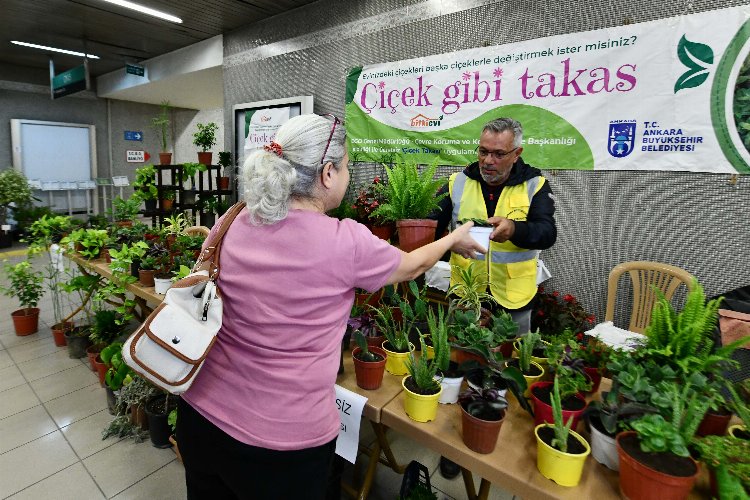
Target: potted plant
(118, 374)
(504, 330)
(369, 363)
(470, 290)
(225, 161)
(368, 199)
(482, 415)
(556, 312)
(561, 452)
(104, 330)
(360, 319)
(157, 410)
(147, 270)
(208, 205)
(472, 341)
(728, 460)
(27, 285)
(132, 396)
(161, 123)
(410, 197)
(14, 190)
(145, 184)
(91, 242)
(571, 382)
(188, 172)
(205, 138)
(166, 198)
(421, 388)
(531, 370)
(654, 456)
(448, 373)
(125, 211)
(396, 345)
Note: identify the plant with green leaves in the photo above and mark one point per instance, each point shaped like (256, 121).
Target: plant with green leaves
(125, 210)
(182, 272)
(394, 332)
(423, 371)
(408, 193)
(503, 328)
(175, 224)
(14, 190)
(739, 403)
(92, 241)
(439, 333)
(673, 428)
(85, 286)
(145, 183)
(135, 393)
(148, 263)
(225, 158)
(208, 203)
(470, 289)
(172, 419)
(205, 137)
(730, 459)
(525, 349)
(485, 404)
(119, 373)
(473, 338)
(114, 292)
(47, 230)
(364, 353)
(105, 327)
(190, 169)
(614, 412)
(26, 284)
(562, 428)
(397, 333)
(161, 123)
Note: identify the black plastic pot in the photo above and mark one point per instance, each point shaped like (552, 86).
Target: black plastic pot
(78, 341)
(157, 415)
(150, 205)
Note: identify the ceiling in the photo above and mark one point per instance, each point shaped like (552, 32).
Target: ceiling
(116, 34)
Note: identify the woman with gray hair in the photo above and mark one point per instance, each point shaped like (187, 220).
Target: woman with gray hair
(260, 419)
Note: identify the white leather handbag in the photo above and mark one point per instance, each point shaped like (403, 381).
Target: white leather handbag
(169, 348)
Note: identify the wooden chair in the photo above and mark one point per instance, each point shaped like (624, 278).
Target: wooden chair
(644, 276)
(197, 230)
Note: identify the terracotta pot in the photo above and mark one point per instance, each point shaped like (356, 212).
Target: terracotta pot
(384, 232)
(101, 369)
(165, 158)
(480, 435)
(375, 341)
(146, 277)
(639, 482)
(543, 411)
(124, 223)
(371, 299)
(506, 349)
(58, 333)
(415, 233)
(92, 352)
(104, 254)
(205, 157)
(167, 204)
(222, 182)
(462, 356)
(714, 424)
(595, 376)
(26, 321)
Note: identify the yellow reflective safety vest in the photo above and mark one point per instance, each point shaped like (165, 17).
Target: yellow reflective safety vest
(511, 270)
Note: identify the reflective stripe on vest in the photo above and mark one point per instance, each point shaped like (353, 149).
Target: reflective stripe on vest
(456, 193)
(510, 257)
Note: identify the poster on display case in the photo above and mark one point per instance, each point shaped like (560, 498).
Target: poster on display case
(669, 95)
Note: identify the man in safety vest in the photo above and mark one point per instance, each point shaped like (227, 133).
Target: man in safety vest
(514, 197)
(518, 202)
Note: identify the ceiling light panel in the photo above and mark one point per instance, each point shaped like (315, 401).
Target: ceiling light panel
(145, 10)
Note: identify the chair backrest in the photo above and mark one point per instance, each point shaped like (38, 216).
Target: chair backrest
(197, 230)
(644, 276)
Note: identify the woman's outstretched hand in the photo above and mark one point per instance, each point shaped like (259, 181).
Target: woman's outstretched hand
(463, 244)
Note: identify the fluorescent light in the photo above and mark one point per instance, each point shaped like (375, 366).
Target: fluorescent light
(145, 10)
(53, 49)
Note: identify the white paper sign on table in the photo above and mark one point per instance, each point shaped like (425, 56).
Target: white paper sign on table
(350, 406)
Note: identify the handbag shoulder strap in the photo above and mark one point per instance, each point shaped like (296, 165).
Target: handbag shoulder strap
(209, 258)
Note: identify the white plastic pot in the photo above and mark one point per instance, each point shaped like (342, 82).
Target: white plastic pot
(604, 449)
(451, 388)
(161, 285)
(482, 236)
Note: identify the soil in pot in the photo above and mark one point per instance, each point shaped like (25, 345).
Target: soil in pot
(413, 387)
(452, 371)
(667, 463)
(475, 379)
(534, 371)
(547, 434)
(544, 394)
(157, 411)
(740, 434)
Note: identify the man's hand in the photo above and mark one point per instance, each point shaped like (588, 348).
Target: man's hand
(504, 229)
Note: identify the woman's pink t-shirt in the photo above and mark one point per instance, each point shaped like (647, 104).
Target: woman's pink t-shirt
(288, 289)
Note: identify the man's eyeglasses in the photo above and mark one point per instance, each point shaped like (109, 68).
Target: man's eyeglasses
(336, 121)
(498, 155)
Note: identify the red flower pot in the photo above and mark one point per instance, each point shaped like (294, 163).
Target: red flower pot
(480, 435)
(26, 321)
(595, 376)
(462, 356)
(146, 277)
(543, 411)
(222, 182)
(714, 424)
(383, 232)
(92, 352)
(101, 369)
(415, 233)
(58, 333)
(639, 482)
(369, 374)
(205, 157)
(165, 158)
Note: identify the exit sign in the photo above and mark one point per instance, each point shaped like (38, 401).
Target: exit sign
(134, 69)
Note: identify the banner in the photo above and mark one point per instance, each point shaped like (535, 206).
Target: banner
(671, 95)
(261, 126)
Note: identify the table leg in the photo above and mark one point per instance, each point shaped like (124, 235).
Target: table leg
(381, 444)
(484, 486)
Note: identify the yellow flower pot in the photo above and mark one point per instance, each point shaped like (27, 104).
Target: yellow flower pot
(533, 380)
(419, 407)
(395, 362)
(563, 468)
(543, 362)
(430, 352)
(736, 427)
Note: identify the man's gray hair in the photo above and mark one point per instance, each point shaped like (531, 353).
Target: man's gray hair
(499, 125)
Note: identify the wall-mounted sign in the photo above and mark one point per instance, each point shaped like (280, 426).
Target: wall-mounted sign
(133, 135)
(69, 82)
(120, 180)
(137, 156)
(134, 69)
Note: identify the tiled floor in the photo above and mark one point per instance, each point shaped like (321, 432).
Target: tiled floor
(52, 412)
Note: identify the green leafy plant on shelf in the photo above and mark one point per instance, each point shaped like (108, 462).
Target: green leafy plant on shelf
(408, 193)
(205, 137)
(125, 209)
(190, 169)
(145, 183)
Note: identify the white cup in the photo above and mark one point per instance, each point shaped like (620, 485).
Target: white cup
(482, 236)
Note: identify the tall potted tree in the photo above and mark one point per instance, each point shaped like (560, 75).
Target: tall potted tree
(27, 285)
(205, 138)
(14, 189)
(161, 123)
(410, 197)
